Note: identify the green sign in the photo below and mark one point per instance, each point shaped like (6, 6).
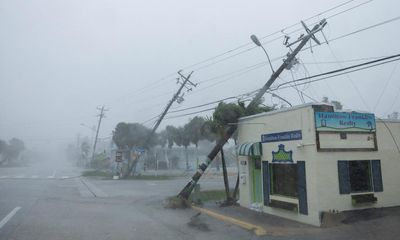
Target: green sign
(281, 155)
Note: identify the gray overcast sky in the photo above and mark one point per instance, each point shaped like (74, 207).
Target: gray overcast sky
(59, 60)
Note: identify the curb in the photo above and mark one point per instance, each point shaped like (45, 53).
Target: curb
(258, 230)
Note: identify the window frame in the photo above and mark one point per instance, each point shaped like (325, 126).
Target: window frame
(271, 180)
(370, 177)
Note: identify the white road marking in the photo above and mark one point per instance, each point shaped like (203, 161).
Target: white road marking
(36, 177)
(9, 216)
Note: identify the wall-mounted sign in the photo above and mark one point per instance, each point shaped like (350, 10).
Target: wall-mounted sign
(118, 156)
(282, 156)
(281, 136)
(345, 121)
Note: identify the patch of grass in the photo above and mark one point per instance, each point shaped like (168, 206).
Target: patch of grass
(209, 195)
(147, 177)
(197, 197)
(96, 173)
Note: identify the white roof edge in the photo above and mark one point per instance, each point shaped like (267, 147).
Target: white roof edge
(387, 120)
(284, 110)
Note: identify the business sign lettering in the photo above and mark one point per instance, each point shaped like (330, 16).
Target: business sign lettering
(345, 121)
(281, 136)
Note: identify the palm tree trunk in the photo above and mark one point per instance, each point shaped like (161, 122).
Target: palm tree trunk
(131, 164)
(225, 173)
(166, 158)
(236, 188)
(187, 158)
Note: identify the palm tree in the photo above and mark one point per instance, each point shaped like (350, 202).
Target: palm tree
(224, 114)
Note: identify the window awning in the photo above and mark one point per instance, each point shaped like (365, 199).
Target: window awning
(249, 149)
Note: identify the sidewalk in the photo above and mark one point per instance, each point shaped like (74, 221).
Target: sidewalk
(273, 225)
(371, 224)
(211, 172)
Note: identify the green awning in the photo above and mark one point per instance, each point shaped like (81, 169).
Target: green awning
(249, 149)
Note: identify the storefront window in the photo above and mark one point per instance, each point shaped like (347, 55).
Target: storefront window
(360, 176)
(284, 179)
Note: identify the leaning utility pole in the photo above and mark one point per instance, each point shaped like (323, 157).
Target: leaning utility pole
(101, 116)
(176, 97)
(287, 64)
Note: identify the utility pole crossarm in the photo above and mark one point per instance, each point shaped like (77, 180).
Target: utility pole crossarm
(174, 98)
(186, 191)
(288, 60)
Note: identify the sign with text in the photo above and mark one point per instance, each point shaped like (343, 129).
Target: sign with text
(118, 156)
(281, 136)
(345, 121)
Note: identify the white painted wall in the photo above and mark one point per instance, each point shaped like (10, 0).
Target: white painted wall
(321, 167)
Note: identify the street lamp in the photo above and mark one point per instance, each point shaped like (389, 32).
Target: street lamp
(281, 98)
(258, 43)
(91, 128)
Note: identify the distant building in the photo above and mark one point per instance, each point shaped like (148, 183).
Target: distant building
(299, 162)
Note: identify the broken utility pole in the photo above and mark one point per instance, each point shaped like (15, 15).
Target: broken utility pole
(287, 63)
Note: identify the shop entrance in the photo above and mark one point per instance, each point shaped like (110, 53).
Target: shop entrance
(257, 180)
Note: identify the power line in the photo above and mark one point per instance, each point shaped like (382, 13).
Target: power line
(395, 100)
(258, 65)
(272, 34)
(340, 72)
(351, 80)
(327, 83)
(206, 104)
(386, 84)
(341, 37)
(341, 61)
(264, 43)
(187, 114)
(356, 31)
(170, 75)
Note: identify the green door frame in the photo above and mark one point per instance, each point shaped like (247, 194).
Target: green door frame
(256, 179)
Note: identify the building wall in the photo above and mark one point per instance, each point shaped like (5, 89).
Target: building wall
(321, 167)
(390, 165)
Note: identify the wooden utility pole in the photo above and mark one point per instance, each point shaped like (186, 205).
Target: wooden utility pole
(177, 96)
(287, 63)
(174, 98)
(101, 116)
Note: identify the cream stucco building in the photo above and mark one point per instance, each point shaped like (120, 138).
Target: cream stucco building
(299, 162)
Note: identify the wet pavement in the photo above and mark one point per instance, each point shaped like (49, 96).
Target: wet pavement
(93, 208)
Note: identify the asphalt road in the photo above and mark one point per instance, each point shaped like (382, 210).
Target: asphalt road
(51, 202)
